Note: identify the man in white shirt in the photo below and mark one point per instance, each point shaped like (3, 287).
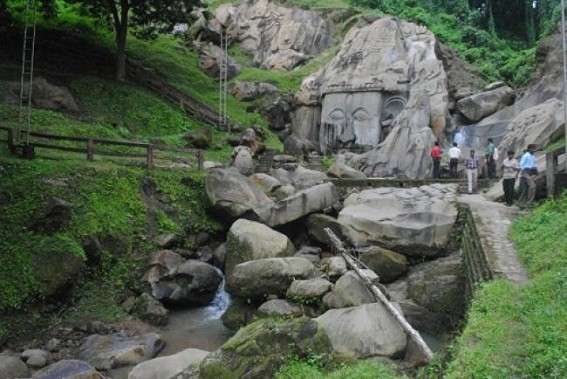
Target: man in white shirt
(454, 157)
(510, 170)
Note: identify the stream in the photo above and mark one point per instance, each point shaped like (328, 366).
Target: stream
(199, 328)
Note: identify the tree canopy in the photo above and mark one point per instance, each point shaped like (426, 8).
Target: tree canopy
(146, 17)
(524, 20)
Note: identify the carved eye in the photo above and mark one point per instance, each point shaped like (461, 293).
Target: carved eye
(361, 115)
(337, 114)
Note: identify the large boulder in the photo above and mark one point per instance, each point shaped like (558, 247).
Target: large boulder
(238, 314)
(302, 203)
(258, 350)
(415, 221)
(45, 95)
(316, 225)
(437, 286)
(339, 169)
(152, 311)
(242, 160)
(56, 270)
(209, 61)
(249, 241)
(461, 75)
(234, 195)
(547, 83)
(364, 331)
(308, 291)
(68, 369)
(247, 91)
(279, 308)
(53, 218)
(191, 283)
(12, 367)
(279, 37)
(302, 178)
(483, 104)
(350, 290)
(275, 109)
(168, 367)
(537, 125)
(115, 350)
(200, 138)
(271, 276)
(387, 264)
(268, 184)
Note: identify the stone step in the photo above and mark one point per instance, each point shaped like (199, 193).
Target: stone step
(265, 161)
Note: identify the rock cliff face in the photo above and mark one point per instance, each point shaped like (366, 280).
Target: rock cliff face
(279, 37)
(547, 84)
(386, 86)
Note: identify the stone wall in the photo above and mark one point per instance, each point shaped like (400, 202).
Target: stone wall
(475, 264)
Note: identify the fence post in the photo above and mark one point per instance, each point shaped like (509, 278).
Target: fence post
(11, 146)
(550, 163)
(150, 156)
(90, 149)
(201, 160)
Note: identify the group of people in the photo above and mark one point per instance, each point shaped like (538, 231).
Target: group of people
(525, 169)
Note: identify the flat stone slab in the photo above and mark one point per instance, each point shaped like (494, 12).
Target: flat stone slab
(493, 221)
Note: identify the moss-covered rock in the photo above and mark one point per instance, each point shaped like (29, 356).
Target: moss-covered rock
(261, 348)
(387, 264)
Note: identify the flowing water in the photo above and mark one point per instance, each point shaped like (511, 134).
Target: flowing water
(199, 328)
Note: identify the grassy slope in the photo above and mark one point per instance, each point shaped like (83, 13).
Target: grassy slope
(522, 332)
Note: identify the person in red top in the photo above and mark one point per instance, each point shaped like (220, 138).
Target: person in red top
(436, 156)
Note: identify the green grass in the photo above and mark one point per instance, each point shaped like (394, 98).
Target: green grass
(359, 370)
(521, 332)
(107, 203)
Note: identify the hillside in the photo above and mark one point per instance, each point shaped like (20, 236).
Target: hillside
(120, 207)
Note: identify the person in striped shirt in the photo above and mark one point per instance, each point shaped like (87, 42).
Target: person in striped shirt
(471, 164)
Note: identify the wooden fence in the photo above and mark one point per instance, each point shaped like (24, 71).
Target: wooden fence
(37, 139)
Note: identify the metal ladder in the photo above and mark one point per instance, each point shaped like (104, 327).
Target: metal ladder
(26, 81)
(223, 76)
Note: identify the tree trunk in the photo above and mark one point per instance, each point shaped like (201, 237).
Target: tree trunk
(121, 54)
(121, 28)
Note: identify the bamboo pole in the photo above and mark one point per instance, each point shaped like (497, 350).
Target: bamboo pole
(408, 329)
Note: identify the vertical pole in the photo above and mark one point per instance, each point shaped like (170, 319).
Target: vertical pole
(225, 79)
(201, 160)
(90, 149)
(11, 146)
(564, 75)
(150, 156)
(220, 81)
(550, 168)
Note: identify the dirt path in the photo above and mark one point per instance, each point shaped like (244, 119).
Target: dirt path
(493, 220)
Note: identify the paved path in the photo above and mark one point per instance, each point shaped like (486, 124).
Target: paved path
(493, 220)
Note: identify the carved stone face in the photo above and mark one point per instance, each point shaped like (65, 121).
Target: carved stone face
(350, 119)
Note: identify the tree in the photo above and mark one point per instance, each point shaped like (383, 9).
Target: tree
(146, 17)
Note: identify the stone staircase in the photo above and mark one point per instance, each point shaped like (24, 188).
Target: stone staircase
(315, 162)
(265, 161)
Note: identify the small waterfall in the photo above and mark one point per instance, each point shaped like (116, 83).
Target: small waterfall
(199, 327)
(221, 301)
(464, 136)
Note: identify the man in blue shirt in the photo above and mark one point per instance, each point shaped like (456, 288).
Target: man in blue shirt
(529, 172)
